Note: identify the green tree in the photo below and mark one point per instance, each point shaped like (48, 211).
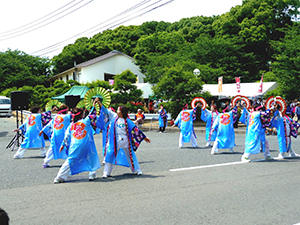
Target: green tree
(178, 86)
(286, 64)
(18, 69)
(126, 92)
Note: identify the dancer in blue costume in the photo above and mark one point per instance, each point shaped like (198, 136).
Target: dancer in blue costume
(79, 141)
(102, 124)
(210, 117)
(256, 121)
(57, 128)
(31, 128)
(286, 128)
(184, 121)
(162, 119)
(122, 140)
(225, 131)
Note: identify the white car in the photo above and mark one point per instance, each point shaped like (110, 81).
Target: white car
(5, 106)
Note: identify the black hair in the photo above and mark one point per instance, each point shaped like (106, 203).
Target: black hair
(4, 219)
(124, 111)
(35, 109)
(63, 107)
(78, 111)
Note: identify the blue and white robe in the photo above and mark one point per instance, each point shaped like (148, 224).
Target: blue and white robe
(225, 130)
(31, 128)
(256, 123)
(184, 121)
(117, 156)
(162, 114)
(286, 128)
(209, 118)
(57, 127)
(79, 141)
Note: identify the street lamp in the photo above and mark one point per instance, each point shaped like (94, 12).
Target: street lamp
(196, 72)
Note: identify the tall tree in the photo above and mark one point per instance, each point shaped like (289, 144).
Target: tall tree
(18, 69)
(286, 64)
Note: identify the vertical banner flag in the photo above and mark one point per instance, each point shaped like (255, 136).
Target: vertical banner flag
(260, 89)
(111, 82)
(220, 82)
(238, 84)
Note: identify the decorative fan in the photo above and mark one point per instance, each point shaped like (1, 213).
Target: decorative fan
(278, 100)
(235, 99)
(243, 99)
(199, 99)
(52, 103)
(80, 104)
(94, 93)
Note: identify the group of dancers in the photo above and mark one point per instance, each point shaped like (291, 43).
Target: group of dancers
(220, 128)
(71, 137)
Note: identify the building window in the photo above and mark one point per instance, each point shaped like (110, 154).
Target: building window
(108, 77)
(74, 76)
(67, 77)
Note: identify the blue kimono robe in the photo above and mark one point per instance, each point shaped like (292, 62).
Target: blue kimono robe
(31, 128)
(102, 124)
(185, 121)
(134, 136)
(209, 117)
(58, 126)
(286, 128)
(79, 141)
(162, 113)
(256, 123)
(225, 130)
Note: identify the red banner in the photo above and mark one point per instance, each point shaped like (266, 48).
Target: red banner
(260, 89)
(238, 84)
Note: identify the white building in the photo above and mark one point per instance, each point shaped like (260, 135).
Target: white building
(104, 67)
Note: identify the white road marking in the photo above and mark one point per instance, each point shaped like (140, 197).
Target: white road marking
(207, 166)
(227, 164)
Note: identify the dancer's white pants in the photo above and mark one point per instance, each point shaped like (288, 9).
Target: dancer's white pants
(108, 167)
(49, 156)
(193, 140)
(65, 170)
(21, 151)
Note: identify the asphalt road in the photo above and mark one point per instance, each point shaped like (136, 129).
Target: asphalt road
(209, 189)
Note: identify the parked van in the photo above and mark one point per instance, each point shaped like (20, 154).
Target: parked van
(5, 106)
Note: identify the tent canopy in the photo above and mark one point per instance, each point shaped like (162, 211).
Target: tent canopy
(146, 88)
(75, 90)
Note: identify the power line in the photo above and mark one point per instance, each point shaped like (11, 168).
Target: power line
(81, 33)
(37, 19)
(55, 46)
(47, 23)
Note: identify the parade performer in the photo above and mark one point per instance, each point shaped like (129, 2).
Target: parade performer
(31, 128)
(210, 117)
(225, 131)
(184, 121)
(162, 119)
(102, 123)
(58, 126)
(286, 128)
(79, 142)
(256, 121)
(122, 140)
